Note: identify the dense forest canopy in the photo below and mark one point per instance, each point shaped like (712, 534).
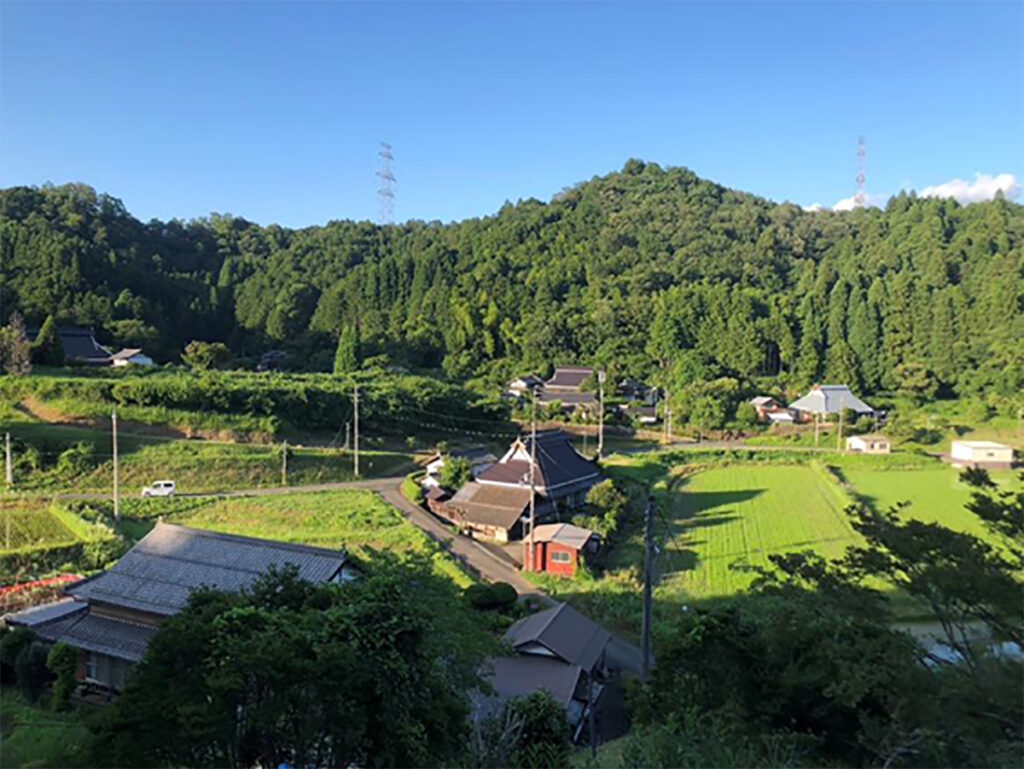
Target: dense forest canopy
(644, 270)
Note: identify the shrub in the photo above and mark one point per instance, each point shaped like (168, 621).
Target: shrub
(498, 596)
(30, 669)
(12, 642)
(62, 661)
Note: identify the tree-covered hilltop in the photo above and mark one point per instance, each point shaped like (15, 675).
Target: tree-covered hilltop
(641, 270)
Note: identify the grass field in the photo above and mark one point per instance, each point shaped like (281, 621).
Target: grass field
(353, 519)
(935, 495)
(32, 736)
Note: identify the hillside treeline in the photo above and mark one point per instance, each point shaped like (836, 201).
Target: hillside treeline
(643, 270)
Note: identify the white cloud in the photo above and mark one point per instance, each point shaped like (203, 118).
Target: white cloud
(984, 187)
(850, 203)
(814, 207)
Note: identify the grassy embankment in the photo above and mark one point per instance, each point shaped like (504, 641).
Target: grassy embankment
(34, 736)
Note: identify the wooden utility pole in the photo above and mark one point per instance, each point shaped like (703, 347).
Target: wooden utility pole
(839, 435)
(355, 443)
(8, 465)
(117, 491)
(817, 427)
(645, 630)
(284, 463)
(348, 431)
(600, 414)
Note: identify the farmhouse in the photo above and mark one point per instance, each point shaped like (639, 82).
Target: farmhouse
(983, 454)
(494, 504)
(828, 399)
(558, 548)
(644, 415)
(80, 345)
(563, 652)
(130, 357)
(868, 444)
(479, 460)
(111, 617)
(523, 385)
(568, 379)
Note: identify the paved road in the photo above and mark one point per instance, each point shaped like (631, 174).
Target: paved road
(474, 555)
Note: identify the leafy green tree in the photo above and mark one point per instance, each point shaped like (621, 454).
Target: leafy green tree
(47, 349)
(455, 473)
(203, 356)
(62, 661)
(346, 358)
(914, 381)
(369, 673)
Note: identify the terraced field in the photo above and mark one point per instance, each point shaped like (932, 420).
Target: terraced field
(31, 522)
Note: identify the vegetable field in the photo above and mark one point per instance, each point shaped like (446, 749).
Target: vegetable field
(27, 523)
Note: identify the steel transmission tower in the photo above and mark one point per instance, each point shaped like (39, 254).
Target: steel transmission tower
(386, 192)
(861, 199)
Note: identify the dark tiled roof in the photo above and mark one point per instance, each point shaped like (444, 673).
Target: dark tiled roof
(561, 470)
(522, 675)
(570, 376)
(78, 343)
(563, 631)
(45, 613)
(567, 398)
(105, 635)
(165, 567)
(491, 505)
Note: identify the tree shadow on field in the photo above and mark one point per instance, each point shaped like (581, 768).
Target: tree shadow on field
(698, 501)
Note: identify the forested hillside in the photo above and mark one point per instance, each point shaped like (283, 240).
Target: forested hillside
(643, 270)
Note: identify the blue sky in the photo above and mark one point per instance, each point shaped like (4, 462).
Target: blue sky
(274, 111)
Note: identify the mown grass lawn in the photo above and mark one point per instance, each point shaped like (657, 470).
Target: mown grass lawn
(935, 495)
(357, 520)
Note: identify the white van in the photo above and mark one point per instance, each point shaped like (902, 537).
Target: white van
(159, 489)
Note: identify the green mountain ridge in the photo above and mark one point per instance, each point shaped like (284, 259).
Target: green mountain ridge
(642, 270)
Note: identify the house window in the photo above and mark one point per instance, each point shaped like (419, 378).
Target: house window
(558, 557)
(90, 666)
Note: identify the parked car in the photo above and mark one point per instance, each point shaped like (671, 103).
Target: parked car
(159, 489)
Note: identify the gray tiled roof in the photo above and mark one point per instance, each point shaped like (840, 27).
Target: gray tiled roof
(169, 563)
(78, 343)
(490, 505)
(830, 399)
(105, 635)
(522, 675)
(44, 613)
(570, 376)
(563, 631)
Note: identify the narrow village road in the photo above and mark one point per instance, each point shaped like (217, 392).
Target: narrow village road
(471, 553)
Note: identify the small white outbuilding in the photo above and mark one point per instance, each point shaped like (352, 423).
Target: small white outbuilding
(985, 454)
(868, 444)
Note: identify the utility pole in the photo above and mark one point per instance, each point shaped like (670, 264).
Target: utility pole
(348, 430)
(284, 463)
(817, 427)
(668, 422)
(600, 414)
(839, 435)
(356, 431)
(645, 630)
(533, 477)
(117, 491)
(8, 465)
